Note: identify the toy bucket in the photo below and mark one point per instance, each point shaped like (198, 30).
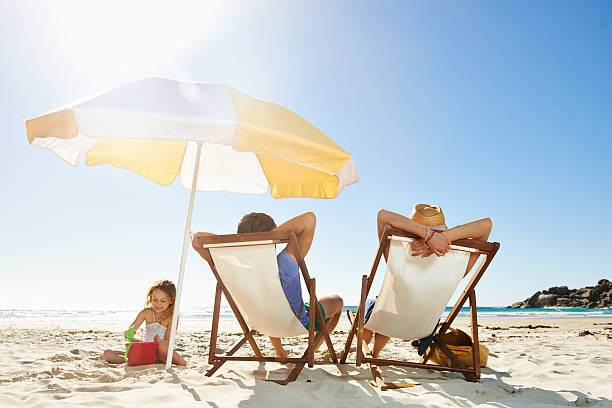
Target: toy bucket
(142, 353)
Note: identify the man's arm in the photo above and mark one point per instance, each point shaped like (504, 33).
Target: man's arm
(304, 228)
(197, 245)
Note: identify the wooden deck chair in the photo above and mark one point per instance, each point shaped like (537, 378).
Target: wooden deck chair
(413, 296)
(247, 274)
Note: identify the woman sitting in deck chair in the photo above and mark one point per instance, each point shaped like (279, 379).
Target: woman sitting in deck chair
(426, 221)
(304, 227)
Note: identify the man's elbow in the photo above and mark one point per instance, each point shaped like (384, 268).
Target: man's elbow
(195, 242)
(488, 224)
(310, 219)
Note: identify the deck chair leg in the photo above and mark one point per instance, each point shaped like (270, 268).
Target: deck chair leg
(297, 369)
(291, 377)
(325, 332)
(349, 340)
(475, 342)
(484, 264)
(215, 325)
(218, 363)
(360, 323)
(311, 324)
(383, 243)
(379, 381)
(237, 313)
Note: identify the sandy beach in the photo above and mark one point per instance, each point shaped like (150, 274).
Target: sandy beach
(540, 362)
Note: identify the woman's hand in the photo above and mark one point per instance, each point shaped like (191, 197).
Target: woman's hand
(420, 249)
(439, 244)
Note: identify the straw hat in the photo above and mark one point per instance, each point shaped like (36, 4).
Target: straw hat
(429, 215)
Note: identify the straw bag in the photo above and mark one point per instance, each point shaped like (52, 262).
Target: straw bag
(460, 343)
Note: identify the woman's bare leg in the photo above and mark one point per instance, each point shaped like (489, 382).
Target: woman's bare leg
(380, 341)
(367, 335)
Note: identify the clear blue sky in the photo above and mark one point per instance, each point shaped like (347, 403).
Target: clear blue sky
(498, 109)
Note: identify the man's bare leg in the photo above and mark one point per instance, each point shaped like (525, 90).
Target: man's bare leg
(332, 305)
(278, 347)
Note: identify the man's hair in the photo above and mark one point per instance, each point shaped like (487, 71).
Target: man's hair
(256, 222)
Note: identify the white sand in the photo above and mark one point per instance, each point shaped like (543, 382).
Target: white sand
(49, 364)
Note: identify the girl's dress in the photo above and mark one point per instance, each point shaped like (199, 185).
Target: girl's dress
(154, 329)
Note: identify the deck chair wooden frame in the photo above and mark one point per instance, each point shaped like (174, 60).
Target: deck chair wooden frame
(488, 249)
(276, 237)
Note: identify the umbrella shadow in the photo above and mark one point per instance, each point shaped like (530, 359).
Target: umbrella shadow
(194, 393)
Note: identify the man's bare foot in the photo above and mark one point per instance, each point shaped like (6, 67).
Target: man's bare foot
(283, 354)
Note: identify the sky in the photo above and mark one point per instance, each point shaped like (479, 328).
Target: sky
(486, 108)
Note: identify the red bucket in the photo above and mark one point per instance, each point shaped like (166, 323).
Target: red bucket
(142, 353)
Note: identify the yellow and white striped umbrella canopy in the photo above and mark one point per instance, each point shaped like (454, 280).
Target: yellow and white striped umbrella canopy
(152, 127)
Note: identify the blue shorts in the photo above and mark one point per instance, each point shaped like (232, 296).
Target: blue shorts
(369, 306)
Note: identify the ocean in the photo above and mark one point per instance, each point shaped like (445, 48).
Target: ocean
(205, 314)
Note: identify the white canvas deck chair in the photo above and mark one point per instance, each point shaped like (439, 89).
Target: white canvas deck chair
(247, 274)
(413, 296)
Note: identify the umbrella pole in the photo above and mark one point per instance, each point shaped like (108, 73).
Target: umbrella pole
(186, 239)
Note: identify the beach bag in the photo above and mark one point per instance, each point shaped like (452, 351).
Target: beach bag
(460, 343)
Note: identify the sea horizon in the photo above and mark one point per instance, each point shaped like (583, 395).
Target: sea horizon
(205, 313)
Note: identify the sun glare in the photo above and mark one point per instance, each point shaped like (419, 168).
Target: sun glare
(120, 34)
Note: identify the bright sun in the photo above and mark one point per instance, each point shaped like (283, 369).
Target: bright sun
(119, 34)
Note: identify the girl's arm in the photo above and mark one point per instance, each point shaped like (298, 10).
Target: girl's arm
(140, 318)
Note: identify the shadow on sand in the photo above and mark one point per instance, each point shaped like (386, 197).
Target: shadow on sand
(350, 386)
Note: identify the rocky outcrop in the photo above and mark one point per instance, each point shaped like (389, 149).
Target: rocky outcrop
(591, 297)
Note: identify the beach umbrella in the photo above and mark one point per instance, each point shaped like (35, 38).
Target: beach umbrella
(212, 136)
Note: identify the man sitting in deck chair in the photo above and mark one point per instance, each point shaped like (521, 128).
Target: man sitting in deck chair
(426, 221)
(304, 227)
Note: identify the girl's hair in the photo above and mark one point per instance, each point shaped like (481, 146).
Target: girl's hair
(167, 287)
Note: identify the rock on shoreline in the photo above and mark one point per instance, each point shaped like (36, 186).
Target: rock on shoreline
(590, 297)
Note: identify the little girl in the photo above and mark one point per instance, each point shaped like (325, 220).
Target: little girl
(158, 315)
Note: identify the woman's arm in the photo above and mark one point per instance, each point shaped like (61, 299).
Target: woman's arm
(438, 244)
(479, 229)
(304, 227)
